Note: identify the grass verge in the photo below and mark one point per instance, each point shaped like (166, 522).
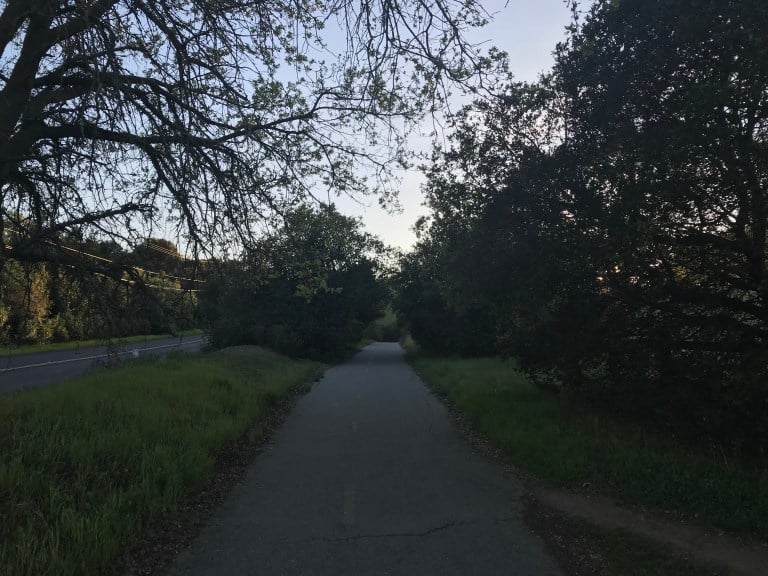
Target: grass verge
(74, 345)
(86, 465)
(544, 435)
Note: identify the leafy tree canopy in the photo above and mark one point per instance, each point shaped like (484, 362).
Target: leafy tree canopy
(118, 114)
(607, 225)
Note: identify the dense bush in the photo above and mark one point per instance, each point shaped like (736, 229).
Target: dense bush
(309, 289)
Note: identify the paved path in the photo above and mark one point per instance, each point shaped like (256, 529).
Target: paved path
(47, 368)
(368, 476)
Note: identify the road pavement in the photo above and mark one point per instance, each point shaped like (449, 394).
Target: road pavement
(369, 476)
(47, 368)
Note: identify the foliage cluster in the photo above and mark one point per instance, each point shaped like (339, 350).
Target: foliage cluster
(308, 289)
(383, 329)
(58, 299)
(607, 225)
(84, 467)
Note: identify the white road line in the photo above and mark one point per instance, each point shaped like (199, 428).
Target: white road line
(82, 358)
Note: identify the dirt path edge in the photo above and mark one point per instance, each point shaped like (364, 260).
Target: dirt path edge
(710, 547)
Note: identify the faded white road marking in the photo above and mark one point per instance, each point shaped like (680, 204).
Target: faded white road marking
(348, 515)
(82, 358)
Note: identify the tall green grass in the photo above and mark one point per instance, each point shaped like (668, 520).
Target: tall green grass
(86, 464)
(569, 447)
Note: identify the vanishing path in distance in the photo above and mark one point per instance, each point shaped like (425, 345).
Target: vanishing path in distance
(369, 476)
(46, 368)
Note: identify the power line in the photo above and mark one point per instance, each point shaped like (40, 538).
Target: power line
(126, 280)
(163, 250)
(169, 252)
(163, 274)
(133, 282)
(97, 257)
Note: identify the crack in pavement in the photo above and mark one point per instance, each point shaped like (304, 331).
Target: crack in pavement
(422, 534)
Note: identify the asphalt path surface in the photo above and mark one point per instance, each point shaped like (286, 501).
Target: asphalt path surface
(47, 368)
(368, 475)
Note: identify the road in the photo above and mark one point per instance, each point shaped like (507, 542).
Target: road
(369, 476)
(47, 368)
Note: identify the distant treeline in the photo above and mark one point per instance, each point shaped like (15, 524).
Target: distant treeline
(607, 224)
(82, 289)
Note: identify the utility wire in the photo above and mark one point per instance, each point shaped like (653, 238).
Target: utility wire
(128, 280)
(97, 257)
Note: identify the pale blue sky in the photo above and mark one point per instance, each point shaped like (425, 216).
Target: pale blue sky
(528, 30)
